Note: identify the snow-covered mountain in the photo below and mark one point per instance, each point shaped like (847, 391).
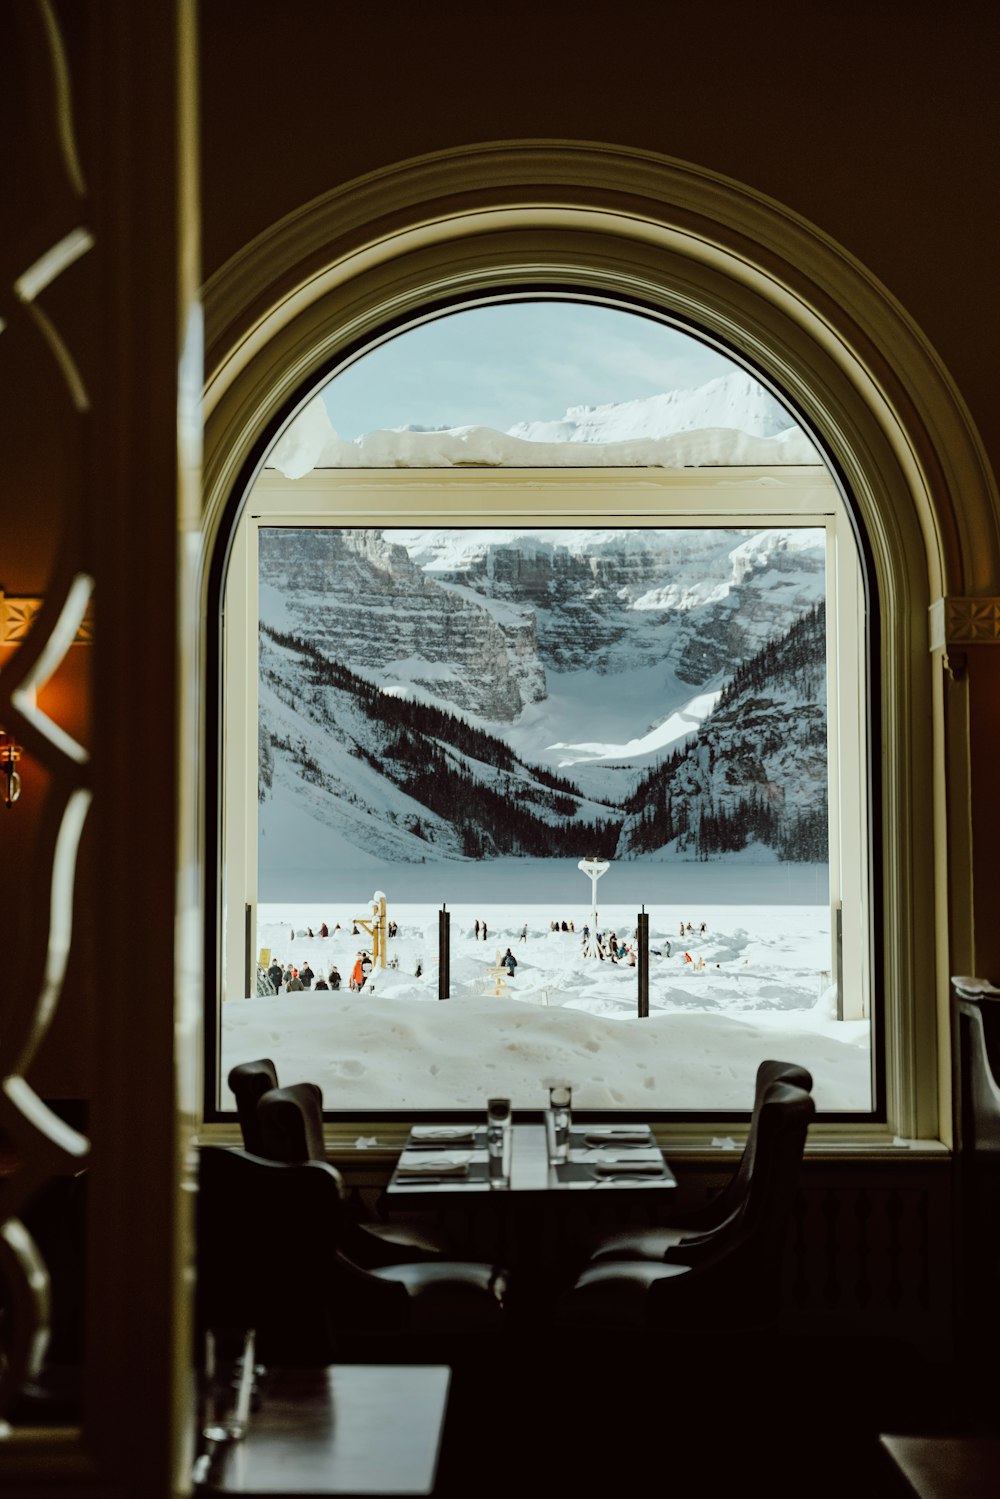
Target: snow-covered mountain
(729, 420)
(480, 620)
(735, 401)
(756, 772)
(477, 692)
(401, 779)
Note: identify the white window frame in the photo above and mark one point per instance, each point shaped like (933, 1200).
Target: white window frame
(555, 497)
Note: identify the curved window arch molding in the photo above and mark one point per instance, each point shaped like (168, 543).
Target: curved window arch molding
(386, 249)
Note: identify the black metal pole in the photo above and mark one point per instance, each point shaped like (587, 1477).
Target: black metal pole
(444, 953)
(251, 987)
(643, 925)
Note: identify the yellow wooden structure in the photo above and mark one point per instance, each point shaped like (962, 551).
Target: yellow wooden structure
(498, 971)
(375, 925)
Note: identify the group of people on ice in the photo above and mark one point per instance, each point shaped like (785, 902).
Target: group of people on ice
(391, 930)
(291, 980)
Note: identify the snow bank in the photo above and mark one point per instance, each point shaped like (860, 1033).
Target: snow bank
(311, 442)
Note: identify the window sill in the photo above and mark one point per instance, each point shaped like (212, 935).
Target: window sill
(374, 1143)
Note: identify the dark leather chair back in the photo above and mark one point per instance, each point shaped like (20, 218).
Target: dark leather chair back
(249, 1081)
(290, 1128)
(734, 1286)
(290, 1123)
(734, 1193)
(976, 1138)
(268, 1258)
(737, 1283)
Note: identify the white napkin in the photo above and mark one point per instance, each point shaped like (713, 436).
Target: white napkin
(442, 1134)
(619, 1136)
(610, 1165)
(435, 1165)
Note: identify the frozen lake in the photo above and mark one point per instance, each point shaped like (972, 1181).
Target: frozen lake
(755, 984)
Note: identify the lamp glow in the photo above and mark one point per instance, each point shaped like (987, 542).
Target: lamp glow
(10, 753)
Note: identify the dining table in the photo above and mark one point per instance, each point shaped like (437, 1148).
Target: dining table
(541, 1221)
(450, 1162)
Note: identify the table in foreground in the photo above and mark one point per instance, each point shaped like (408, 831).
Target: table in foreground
(351, 1429)
(946, 1467)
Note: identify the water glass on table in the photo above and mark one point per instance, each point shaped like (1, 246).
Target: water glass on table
(558, 1121)
(498, 1141)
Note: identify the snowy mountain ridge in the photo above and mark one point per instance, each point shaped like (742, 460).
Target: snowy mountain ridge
(497, 624)
(394, 780)
(734, 401)
(729, 420)
(756, 770)
(466, 694)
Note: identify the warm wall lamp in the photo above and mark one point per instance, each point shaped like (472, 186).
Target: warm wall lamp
(10, 780)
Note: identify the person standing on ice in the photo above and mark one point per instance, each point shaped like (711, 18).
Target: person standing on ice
(524, 932)
(276, 975)
(357, 974)
(333, 977)
(509, 962)
(484, 931)
(306, 975)
(477, 928)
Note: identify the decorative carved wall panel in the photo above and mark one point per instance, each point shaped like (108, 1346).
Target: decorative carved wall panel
(43, 183)
(17, 616)
(959, 621)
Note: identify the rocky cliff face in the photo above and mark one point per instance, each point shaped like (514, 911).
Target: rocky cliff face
(492, 624)
(358, 596)
(695, 600)
(476, 620)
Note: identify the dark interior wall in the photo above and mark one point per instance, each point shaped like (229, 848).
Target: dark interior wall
(876, 121)
(984, 719)
(44, 506)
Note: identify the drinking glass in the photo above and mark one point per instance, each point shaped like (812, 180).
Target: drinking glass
(498, 1141)
(558, 1120)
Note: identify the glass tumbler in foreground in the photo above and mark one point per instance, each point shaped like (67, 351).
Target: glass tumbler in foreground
(557, 1124)
(498, 1141)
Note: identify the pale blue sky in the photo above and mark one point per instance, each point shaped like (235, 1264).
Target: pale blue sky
(520, 361)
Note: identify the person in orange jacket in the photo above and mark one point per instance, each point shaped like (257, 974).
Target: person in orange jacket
(357, 974)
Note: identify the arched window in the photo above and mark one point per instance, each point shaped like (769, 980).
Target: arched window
(538, 587)
(389, 252)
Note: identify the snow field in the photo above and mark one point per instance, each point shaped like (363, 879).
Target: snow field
(764, 990)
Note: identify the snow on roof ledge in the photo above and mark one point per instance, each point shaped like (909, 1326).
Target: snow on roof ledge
(310, 443)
